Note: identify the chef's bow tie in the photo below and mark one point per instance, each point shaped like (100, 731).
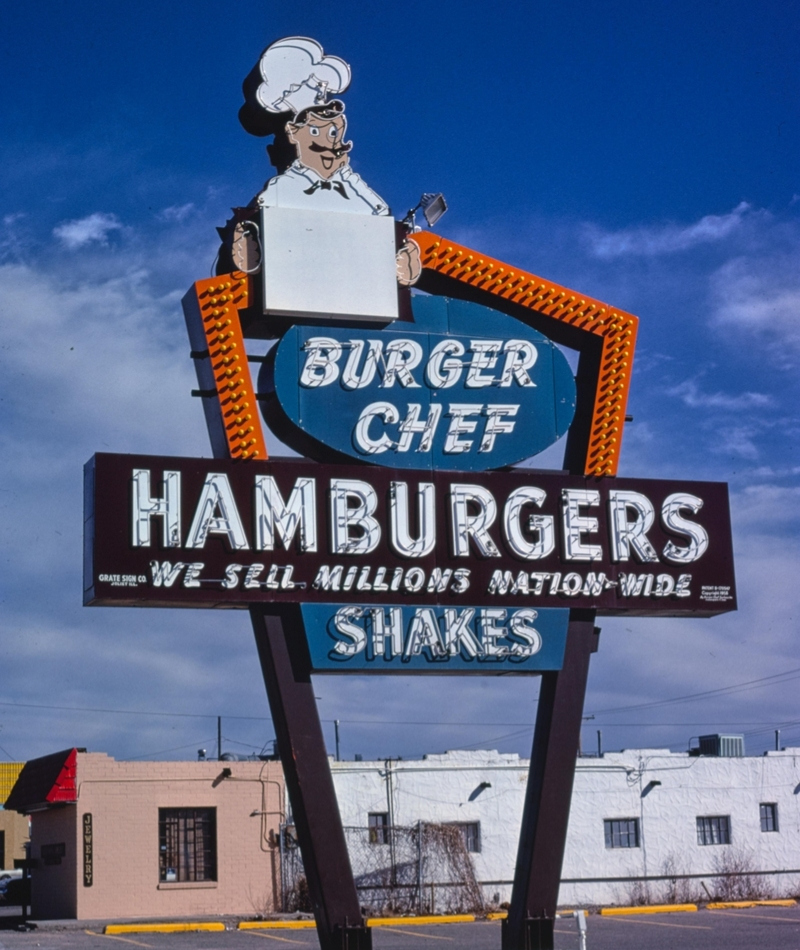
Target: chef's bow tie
(327, 186)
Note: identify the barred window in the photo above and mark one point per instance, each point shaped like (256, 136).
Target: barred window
(378, 824)
(621, 832)
(187, 844)
(714, 829)
(769, 816)
(471, 830)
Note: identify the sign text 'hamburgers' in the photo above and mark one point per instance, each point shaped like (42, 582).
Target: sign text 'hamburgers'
(191, 532)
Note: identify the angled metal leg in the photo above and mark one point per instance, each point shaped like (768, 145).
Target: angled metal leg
(281, 649)
(531, 916)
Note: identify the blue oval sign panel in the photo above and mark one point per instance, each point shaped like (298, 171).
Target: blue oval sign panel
(463, 387)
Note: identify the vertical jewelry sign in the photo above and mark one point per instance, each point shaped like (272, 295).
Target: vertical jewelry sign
(88, 850)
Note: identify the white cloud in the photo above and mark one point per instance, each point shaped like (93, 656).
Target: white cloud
(664, 658)
(691, 395)
(762, 506)
(667, 239)
(89, 230)
(760, 296)
(738, 441)
(99, 366)
(106, 355)
(176, 213)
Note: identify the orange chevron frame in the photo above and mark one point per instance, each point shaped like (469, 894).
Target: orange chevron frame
(232, 413)
(605, 336)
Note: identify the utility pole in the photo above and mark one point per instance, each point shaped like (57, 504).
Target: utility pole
(219, 738)
(336, 730)
(580, 734)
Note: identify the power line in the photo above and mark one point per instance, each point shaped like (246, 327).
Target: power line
(771, 724)
(508, 735)
(6, 752)
(181, 715)
(246, 745)
(132, 712)
(738, 687)
(420, 722)
(177, 748)
(464, 724)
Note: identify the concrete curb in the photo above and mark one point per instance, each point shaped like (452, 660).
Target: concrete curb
(115, 929)
(647, 909)
(276, 925)
(731, 905)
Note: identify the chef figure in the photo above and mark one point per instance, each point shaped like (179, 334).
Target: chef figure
(288, 94)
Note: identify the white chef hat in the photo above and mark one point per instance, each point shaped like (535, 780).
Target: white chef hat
(296, 74)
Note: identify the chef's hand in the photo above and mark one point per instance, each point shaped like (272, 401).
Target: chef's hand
(409, 264)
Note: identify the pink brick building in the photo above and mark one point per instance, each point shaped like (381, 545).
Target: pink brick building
(151, 839)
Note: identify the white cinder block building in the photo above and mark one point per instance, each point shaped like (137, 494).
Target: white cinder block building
(139, 839)
(643, 823)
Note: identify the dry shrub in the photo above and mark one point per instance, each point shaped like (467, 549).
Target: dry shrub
(734, 880)
(297, 898)
(678, 889)
(420, 869)
(637, 893)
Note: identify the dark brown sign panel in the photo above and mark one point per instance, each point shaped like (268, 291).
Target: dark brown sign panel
(183, 532)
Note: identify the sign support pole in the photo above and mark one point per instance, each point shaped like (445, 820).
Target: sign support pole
(287, 677)
(531, 916)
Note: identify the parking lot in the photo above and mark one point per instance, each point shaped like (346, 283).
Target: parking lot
(740, 929)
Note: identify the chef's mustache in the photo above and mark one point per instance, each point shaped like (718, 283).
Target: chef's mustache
(342, 149)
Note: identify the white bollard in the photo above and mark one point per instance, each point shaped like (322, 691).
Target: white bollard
(581, 918)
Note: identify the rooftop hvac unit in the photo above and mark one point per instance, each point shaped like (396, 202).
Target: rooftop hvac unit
(727, 746)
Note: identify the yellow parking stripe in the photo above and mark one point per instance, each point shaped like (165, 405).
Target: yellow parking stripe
(258, 933)
(410, 933)
(739, 913)
(93, 933)
(662, 923)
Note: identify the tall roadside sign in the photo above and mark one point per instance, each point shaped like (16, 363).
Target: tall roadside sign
(405, 539)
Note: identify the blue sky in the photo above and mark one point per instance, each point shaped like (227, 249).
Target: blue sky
(643, 154)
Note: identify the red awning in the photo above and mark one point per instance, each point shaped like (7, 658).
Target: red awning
(50, 780)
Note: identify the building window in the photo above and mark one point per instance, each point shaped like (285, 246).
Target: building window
(187, 844)
(471, 830)
(714, 829)
(378, 823)
(769, 816)
(621, 832)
